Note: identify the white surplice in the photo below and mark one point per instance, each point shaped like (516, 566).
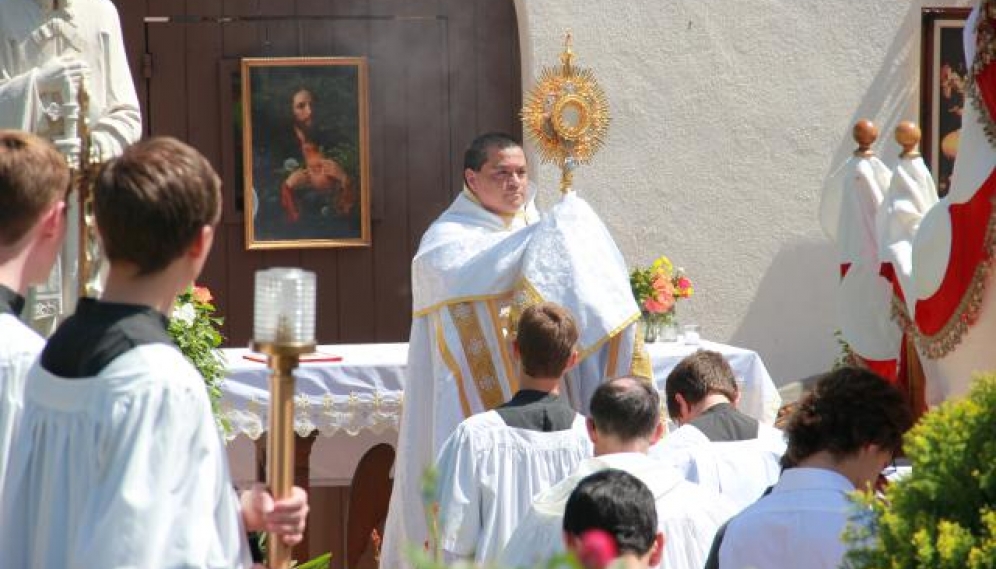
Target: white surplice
(687, 514)
(739, 470)
(488, 475)
(125, 469)
(472, 269)
(19, 348)
(799, 524)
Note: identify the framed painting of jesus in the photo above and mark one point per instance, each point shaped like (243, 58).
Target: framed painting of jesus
(305, 152)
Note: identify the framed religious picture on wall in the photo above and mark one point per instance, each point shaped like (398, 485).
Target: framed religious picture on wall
(943, 78)
(305, 149)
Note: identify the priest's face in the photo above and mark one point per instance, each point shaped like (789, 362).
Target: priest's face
(502, 183)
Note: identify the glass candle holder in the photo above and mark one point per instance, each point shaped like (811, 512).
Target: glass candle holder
(284, 309)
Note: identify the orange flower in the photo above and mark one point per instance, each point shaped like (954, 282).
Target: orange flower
(202, 294)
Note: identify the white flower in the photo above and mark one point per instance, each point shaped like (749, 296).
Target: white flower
(185, 313)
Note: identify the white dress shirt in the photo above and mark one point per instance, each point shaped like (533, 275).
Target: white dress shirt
(799, 524)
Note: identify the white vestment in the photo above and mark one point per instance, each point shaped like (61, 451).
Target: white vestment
(471, 269)
(30, 36)
(19, 347)
(125, 469)
(799, 524)
(687, 514)
(739, 470)
(488, 475)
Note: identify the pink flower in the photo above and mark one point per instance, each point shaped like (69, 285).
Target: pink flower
(684, 283)
(597, 550)
(658, 304)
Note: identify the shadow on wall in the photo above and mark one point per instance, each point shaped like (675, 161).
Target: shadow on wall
(893, 95)
(791, 320)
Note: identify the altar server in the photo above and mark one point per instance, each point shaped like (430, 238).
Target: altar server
(34, 180)
(841, 436)
(716, 445)
(486, 258)
(118, 461)
(624, 423)
(496, 461)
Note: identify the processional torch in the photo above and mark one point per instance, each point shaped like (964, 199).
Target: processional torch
(283, 329)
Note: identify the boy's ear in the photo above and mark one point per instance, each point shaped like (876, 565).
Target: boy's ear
(573, 360)
(53, 222)
(657, 551)
(201, 244)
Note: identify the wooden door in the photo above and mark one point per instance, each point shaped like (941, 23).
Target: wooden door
(441, 72)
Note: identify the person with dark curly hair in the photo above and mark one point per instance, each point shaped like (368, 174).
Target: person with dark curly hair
(840, 437)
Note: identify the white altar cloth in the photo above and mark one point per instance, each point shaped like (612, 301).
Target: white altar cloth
(363, 391)
(357, 401)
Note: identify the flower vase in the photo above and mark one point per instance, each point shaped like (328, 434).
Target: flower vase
(668, 328)
(649, 327)
(660, 326)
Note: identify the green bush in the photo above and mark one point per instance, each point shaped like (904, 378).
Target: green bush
(943, 516)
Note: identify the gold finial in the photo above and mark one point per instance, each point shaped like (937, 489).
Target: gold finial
(567, 115)
(908, 136)
(865, 134)
(567, 58)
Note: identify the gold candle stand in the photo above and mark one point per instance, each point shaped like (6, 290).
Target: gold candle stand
(282, 358)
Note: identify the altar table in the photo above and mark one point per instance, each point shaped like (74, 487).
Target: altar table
(362, 391)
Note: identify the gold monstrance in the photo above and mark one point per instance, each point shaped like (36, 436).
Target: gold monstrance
(566, 115)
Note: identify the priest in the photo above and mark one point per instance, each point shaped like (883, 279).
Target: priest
(486, 258)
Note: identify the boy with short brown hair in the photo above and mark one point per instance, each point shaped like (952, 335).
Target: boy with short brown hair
(118, 460)
(34, 180)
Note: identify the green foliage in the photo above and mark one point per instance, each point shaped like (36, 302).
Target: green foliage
(194, 329)
(845, 356)
(321, 562)
(943, 516)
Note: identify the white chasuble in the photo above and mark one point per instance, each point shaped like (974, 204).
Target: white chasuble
(125, 469)
(473, 271)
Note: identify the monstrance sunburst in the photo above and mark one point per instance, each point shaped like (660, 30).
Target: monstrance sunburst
(567, 115)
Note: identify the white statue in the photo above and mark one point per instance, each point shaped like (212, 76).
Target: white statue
(48, 48)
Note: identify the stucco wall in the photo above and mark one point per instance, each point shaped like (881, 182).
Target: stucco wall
(728, 119)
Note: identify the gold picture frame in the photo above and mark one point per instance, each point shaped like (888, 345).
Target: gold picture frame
(943, 78)
(306, 158)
